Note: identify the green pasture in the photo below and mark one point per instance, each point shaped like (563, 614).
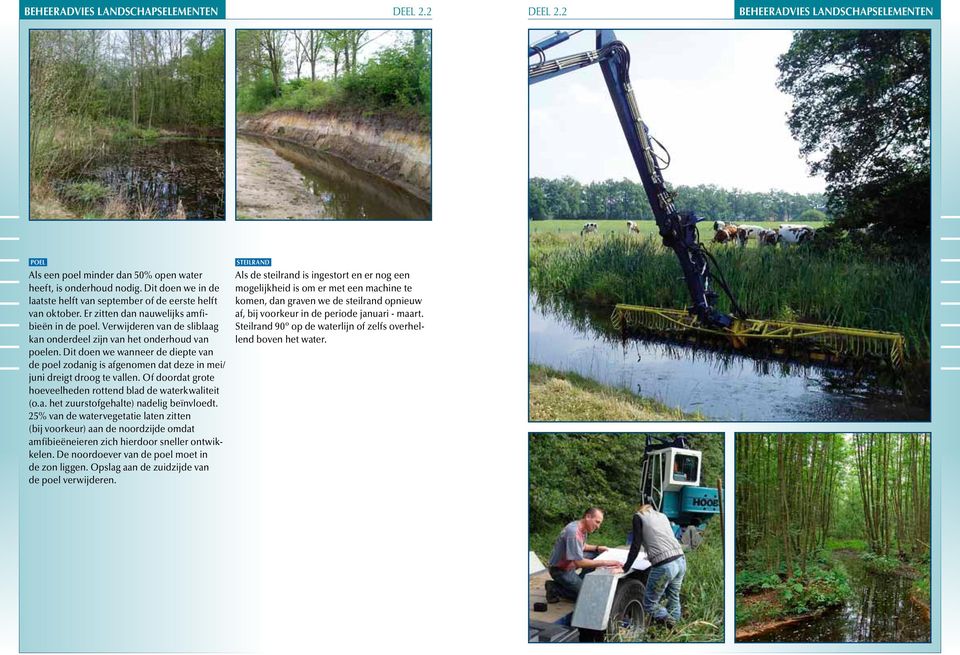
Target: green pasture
(619, 227)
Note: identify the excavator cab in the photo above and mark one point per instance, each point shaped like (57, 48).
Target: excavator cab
(670, 481)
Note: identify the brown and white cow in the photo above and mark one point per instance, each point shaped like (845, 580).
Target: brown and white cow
(747, 232)
(632, 228)
(768, 237)
(724, 232)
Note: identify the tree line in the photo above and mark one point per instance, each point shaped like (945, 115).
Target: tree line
(312, 69)
(566, 198)
(152, 78)
(794, 491)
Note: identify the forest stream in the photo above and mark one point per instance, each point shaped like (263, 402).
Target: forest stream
(281, 179)
(879, 609)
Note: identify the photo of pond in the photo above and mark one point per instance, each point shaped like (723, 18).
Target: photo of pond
(127, 124)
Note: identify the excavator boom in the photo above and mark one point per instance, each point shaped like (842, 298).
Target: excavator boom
(679, 230)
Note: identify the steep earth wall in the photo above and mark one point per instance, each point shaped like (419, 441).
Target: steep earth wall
(389, 147)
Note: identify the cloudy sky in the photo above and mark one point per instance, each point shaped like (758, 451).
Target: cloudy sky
(709, 96)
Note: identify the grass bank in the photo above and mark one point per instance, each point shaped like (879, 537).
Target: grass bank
(556, 396)
(832, 286)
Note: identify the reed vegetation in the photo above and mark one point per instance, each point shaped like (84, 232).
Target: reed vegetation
(833, 286)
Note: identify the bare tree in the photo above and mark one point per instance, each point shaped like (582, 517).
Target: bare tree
(299, 53)
(271, 42)
(311, 43)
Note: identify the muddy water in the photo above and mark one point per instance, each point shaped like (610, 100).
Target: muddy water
(280, 179)
(878, 610)
(722, 386)
(161, 175)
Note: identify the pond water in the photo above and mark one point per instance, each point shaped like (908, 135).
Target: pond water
(878, 610)
(724, 386)
(161, 175)
(335, 188)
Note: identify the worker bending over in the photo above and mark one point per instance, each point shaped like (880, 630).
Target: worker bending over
(667, 564)
(571, 552)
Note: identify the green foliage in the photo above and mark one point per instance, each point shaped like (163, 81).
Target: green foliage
(203, 70)
(396, 79)
(86, 193)
(255, 96)
(168, 78)
(571, 472)
(819, 588)
(848, 523)
(701, 595)
(123, 130)
(304, 95)
(812, 216)
(752, 582)
(825, 585)
(861, 110)
(884, 565)
(825, 287)
(847, 544)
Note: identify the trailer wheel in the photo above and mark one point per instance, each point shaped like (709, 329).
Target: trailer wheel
(626, 614)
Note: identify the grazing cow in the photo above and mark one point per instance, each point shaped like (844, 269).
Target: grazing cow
(724, 233)
(746, 232)
(768, 237)
(588, 228)
(632, 227)
(796, 234)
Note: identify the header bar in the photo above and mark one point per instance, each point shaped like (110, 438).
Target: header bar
(122, 9)
(838, 10)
